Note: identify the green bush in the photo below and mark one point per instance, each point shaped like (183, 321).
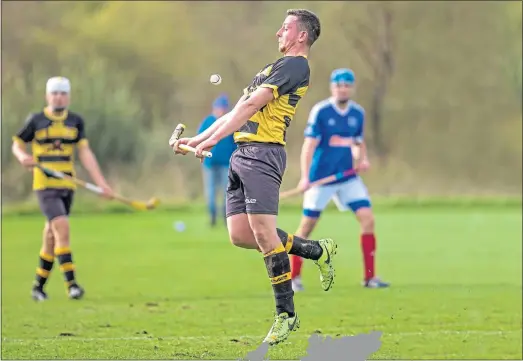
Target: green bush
(111, 112)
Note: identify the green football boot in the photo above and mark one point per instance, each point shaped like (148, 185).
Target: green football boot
(281, 328)
(325, 263)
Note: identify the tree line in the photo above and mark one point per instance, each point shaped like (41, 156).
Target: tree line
(441, 83)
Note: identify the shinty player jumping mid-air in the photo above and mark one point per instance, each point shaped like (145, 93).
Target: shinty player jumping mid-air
(259, 122)
(334, 126)
(54, 133)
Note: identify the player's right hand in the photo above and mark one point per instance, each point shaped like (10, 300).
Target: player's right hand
(27, 161)
(304, 184)
(108, 192)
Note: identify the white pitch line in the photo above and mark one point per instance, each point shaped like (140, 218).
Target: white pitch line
(193, 338)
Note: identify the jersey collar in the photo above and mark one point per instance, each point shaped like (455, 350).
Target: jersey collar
(55, 118)
(338, 110)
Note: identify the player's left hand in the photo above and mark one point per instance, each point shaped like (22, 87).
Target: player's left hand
(206, 145)
(364, 165)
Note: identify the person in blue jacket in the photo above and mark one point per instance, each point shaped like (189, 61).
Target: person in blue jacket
(216, 169)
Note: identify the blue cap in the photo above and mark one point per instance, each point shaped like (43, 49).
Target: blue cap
(221, 102)
(345, 76)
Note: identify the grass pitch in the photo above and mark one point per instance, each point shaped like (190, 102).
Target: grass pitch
(155, 293)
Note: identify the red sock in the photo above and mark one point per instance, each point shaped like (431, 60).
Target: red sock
(296, 263)
(368, 248)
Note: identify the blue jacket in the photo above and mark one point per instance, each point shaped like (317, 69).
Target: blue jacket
(221, 152)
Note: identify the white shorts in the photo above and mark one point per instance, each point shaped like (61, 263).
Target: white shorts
(351, 194)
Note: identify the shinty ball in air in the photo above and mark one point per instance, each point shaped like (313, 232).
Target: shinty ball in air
(216, 79)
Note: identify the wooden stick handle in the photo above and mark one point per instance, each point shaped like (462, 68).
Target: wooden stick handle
(319, 182)
(193, 150)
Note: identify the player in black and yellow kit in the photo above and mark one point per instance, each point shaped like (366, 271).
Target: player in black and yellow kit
(259, 121)
(54, 135)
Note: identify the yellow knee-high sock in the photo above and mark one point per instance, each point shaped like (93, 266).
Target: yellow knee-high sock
(43, 271)
(279, 270)
(65, 259)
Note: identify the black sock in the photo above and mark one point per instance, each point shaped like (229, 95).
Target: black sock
(65, 259)
(44, 269)
(300, 247)
(279, 270)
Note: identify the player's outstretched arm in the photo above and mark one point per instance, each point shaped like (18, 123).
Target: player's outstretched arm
(203, 136)
(207, 133)
(243, 111)
(307, 151)
(88, 160)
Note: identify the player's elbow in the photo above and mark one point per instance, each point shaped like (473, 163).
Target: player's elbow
(16, 148)
(245, 111)
(252, 106)
(260, 98)
(310, 144)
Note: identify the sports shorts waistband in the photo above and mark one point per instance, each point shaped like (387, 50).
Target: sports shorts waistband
(259, 144)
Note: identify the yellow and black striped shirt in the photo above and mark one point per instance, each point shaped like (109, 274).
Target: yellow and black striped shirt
(53, 140)
(288, 77)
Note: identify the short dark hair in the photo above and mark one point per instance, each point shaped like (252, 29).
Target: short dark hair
(309, 22)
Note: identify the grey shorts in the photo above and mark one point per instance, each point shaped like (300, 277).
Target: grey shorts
(255, 175)
(55, 202)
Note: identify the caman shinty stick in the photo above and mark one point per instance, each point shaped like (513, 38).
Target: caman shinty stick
(178, 131)
(138, 205)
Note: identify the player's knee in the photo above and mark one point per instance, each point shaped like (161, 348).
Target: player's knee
(48, 231)
(235, 240)
(263, 235)
(48, 239)
(240, 233)
(264, 231)
(366, 219)
(48, 234)
(60, 229)
(241, 240)
(235, 235)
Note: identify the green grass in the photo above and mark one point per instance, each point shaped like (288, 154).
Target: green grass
(158, 294)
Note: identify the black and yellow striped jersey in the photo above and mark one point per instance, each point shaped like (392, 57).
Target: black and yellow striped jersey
(53, 140)
(288, 77)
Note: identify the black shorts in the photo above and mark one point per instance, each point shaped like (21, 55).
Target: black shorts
(255, 175)
(55, 202)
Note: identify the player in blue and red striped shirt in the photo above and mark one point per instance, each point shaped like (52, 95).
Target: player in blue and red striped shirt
(334, 125)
